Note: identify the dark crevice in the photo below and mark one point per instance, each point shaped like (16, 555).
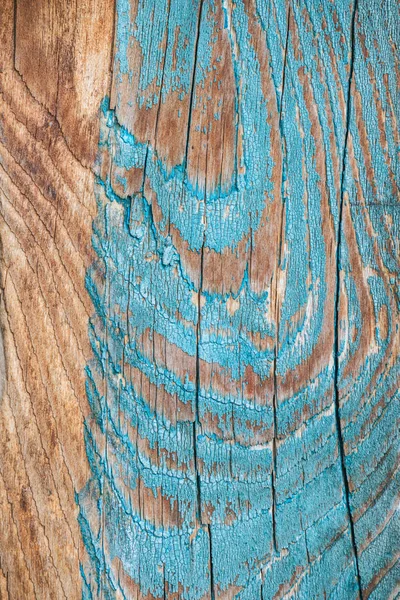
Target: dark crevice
(165, 597)
(212, 591)
(193, 84)
(146, 157)
(336, 304)
(196, 422)
(197, 474)
(277, 307)
(112, 53)
(285, 61)
(273, 494)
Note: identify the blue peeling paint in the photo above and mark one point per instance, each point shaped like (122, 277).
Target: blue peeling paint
(215, 461)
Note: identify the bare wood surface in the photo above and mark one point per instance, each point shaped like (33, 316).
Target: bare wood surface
(54, 63)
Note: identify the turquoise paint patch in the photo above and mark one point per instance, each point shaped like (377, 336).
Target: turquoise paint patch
(173, 417)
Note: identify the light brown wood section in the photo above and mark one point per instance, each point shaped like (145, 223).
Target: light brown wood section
(54, 63)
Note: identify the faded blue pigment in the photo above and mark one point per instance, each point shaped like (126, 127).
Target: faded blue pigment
(218, 480)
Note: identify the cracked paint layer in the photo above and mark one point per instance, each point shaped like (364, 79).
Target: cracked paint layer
(244, 412)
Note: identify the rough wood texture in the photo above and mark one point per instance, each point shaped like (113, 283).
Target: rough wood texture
(200, 226)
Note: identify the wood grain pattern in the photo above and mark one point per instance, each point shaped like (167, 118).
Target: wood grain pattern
(200, 235)
(48, 143)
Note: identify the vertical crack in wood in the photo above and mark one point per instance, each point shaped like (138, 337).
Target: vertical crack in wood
(146, 158)
(336, 304)
(284, 63)
(277, 307)
(193, 83)
(112, 53)
(212, 592)
(196, 421)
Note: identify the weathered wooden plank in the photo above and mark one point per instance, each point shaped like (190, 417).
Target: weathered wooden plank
(47, 207)
(236, 433)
